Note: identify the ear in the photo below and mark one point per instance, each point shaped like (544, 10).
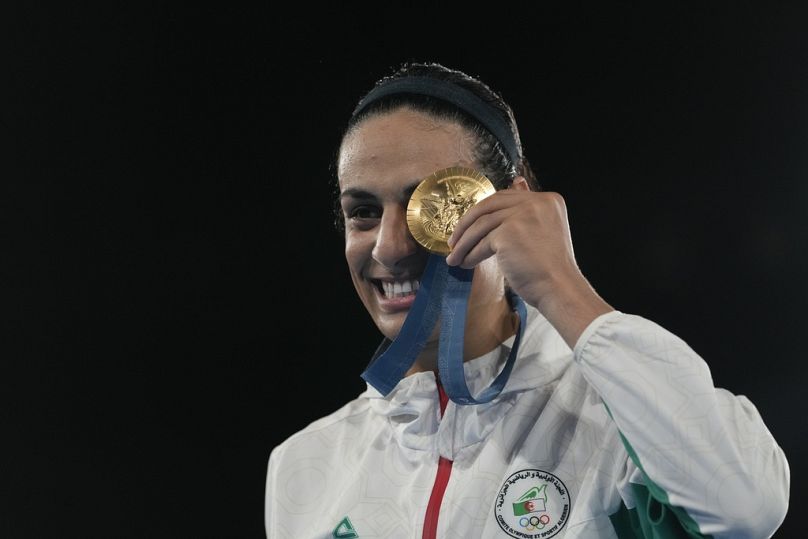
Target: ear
(519, 183)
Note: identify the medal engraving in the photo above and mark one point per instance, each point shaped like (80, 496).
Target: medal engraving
(440, 200)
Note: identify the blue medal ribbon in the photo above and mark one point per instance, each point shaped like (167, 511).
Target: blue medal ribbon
(443, 295)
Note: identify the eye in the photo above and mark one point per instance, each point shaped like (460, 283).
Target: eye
(364, 212)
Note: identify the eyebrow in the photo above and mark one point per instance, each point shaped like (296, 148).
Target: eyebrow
(363, 194)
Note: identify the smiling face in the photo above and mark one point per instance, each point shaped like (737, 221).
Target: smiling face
(381, 162)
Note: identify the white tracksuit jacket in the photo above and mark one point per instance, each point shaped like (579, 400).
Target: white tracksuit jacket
(625, 436)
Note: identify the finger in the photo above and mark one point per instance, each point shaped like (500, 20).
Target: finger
(479, 252)
(480, 228)
(472, 234)
(491, 204)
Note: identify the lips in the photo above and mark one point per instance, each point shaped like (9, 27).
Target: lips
(396, 295)
(398, 288)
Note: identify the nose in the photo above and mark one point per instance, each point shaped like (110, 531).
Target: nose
(394, 243)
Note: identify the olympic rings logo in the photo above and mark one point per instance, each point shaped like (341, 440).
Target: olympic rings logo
(534, 522)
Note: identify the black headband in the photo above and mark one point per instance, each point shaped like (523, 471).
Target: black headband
(463, 99)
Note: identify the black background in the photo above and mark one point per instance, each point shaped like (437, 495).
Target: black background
(173, 294)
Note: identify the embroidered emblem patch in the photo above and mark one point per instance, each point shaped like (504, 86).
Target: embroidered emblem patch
(345, 530)
(532, 504)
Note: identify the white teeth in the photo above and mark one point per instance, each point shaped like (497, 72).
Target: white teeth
(400, 288)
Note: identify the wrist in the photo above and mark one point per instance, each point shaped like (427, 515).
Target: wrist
(570, 304)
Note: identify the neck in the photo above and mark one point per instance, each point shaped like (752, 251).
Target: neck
(487, 327)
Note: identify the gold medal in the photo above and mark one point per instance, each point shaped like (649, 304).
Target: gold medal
(440, 200)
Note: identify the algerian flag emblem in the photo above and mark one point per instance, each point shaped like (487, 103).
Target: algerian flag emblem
(532, 501)
(345, 530)
(532, 504)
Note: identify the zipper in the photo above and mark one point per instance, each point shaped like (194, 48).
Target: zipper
(441, 480)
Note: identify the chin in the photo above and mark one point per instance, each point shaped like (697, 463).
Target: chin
(390, 325)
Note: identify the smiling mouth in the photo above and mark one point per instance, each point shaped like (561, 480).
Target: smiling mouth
(397, 288)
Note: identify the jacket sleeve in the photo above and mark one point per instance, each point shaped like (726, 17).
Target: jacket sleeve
(702, 455)
(269, 497)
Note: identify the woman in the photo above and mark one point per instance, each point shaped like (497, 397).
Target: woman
(508, 398)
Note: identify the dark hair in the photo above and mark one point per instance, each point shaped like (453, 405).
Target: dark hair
(489, 151)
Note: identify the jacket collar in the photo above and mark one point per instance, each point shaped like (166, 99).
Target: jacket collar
(412, 409)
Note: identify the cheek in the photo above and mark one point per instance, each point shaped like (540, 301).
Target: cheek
(357, 255)
(357, 252)
(488, 282)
